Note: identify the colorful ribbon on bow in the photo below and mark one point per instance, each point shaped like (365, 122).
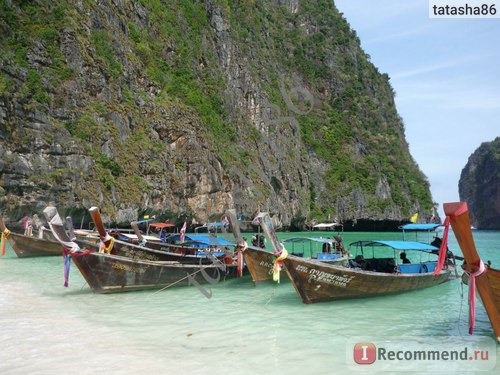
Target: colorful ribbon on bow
(5, 234)
(239, 258)
(278, 264)
(66, 253)
(443, 249)
(107, 249)
(472, 294)
(69, 251)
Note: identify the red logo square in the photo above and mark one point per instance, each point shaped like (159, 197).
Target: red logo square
(365, 353)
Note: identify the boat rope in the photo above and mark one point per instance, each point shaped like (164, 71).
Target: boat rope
(5, 234)
(272, 295)
(443, 249)
(278, 264)
(455, 266)
(178, 281)
(472, 294)
(461, 292)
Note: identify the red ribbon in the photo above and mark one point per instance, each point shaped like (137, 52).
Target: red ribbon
(443, 249)
(67, 254)
(472, 295)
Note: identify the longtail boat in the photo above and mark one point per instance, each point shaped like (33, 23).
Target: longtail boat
(320, 282)
(483, 278)
(190, 248)
(29, 246)
(260, 262)
(110, 268)
(202, 251)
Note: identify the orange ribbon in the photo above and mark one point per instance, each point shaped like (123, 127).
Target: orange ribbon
(5, 234)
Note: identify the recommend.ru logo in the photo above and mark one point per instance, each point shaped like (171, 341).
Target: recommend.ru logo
(443, 353)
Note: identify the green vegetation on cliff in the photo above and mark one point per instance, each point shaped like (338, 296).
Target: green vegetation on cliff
(130, 82)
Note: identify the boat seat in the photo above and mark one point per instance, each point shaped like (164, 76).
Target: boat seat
(430, 266)
(417, 267)
(410, 268)
(380, 265)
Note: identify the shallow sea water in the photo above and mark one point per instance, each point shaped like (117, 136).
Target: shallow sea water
(241, 329)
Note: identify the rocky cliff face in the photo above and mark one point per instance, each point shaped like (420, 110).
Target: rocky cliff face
(479, 185)
(186, 109)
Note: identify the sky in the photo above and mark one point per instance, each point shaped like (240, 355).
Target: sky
(446, 75)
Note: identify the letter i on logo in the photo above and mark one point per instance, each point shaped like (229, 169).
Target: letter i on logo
(364, 353)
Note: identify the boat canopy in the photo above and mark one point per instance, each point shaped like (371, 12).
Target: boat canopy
(398, 245)
(309, 239)
(129, 237)
(427, 230)
(419, 227)
(162, 225)
(326, 225)
(211, 226)
(201, 240)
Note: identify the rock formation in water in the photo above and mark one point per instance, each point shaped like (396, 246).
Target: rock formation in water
(479, 185)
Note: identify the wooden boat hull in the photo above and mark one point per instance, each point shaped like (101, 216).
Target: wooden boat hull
(107, 273)
(129, 267)
(181, 254)
(153, 252)
(488, 282)
(318, 282)
(260, 264)
(27, 246)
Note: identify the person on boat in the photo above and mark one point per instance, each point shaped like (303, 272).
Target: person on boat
(258, 241)
(254, 241)
(437, 242)
(403, 257)
(450, 257)
(358, 262)
(326, 248)
(163, 236)
(339, 245)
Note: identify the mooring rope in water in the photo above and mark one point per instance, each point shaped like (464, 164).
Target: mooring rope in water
(176, 282)
(272, 295)
(461, 292)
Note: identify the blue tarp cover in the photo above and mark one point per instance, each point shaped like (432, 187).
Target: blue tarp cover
(398, 245)
(421, 227)
(203, 239)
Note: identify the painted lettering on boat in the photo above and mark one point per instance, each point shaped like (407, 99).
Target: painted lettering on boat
(126, 267)
(301, 268)
(325, 277)
(263, 263)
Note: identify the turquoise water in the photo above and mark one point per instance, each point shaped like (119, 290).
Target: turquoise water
(241, 329)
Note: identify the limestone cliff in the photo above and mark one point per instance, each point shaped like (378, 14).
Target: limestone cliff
(187, 108)
(479, 185)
